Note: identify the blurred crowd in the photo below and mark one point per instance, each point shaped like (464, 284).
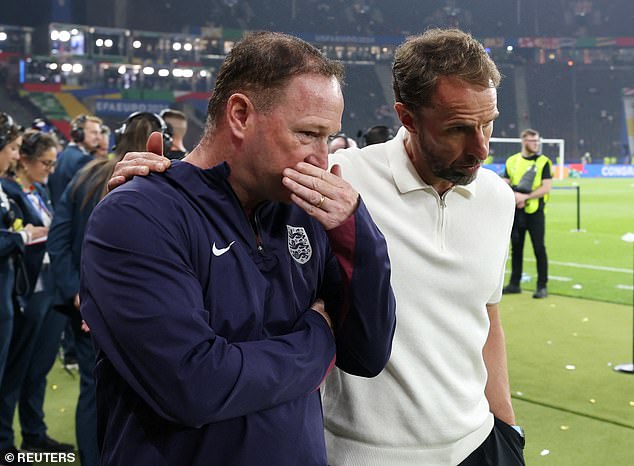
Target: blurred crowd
(375, 17)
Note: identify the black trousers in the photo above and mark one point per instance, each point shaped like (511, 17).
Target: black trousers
(503, 447)
(535, 224)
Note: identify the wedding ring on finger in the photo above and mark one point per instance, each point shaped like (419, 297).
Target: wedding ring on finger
(321, 201)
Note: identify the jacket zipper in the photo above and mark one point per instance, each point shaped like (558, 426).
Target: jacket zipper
(255, 226)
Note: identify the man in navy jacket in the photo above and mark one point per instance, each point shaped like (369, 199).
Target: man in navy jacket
(86, 138)
(220, 293)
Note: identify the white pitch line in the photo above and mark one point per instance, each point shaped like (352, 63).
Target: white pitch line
(625, 287)
(586, 266)
(559, 279)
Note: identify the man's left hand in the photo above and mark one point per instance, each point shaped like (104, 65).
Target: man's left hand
(323, 194)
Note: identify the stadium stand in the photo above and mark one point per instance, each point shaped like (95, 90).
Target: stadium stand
(579, 101)
(366, 102)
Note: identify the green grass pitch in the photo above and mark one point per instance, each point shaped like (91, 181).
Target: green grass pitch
(594, 263)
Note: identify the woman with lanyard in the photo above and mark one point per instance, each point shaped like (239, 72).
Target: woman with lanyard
(36, 330)
(13, 236)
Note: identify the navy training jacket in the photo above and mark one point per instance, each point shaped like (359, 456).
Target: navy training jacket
(208, 352)
(69, 162)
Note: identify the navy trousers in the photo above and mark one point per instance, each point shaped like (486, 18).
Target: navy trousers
(26, 328)
(31, 403)
(6, 312)
(503, 447)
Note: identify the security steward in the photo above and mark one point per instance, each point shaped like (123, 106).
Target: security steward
(530, 175)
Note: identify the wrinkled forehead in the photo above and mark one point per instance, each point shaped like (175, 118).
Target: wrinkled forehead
(454, 97)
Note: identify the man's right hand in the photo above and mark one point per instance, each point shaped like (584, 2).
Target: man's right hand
(320, 307)
(140, 163)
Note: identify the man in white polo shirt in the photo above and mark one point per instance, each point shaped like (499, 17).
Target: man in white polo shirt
(447, 225)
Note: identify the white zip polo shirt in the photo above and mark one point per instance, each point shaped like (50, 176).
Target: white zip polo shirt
(448, 255)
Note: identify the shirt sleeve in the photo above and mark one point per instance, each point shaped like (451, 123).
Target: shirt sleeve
(10, 242)
(59, 245)
(365, 317)
(145, 306)
(546, 172)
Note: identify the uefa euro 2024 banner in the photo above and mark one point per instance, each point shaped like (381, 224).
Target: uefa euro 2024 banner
(125, 107)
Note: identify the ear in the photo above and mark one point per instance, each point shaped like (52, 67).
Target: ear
(238, 113)
(406, 116)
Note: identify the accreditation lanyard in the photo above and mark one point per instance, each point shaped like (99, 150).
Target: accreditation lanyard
(45, 214)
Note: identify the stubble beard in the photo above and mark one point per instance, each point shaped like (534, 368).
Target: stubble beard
(447, 173)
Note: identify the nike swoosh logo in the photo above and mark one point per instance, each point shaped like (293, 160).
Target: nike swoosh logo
(219, 252)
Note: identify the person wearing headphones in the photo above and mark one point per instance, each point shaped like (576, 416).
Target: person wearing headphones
(104, 146)
(64, 245)
(86, 139)
(177, 122)
(36, 330)
(12, 242)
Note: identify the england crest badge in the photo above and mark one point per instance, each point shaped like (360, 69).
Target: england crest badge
(298, 244)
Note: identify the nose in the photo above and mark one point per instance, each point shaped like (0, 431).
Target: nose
(319, 157)
(479, 143)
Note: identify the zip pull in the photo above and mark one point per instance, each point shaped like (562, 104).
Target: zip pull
(257, 226)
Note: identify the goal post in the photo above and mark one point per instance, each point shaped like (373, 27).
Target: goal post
(559, 142)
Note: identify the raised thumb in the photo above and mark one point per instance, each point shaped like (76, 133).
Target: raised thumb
(155, 143)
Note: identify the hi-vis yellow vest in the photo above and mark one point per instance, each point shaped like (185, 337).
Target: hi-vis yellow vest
(516, 166)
